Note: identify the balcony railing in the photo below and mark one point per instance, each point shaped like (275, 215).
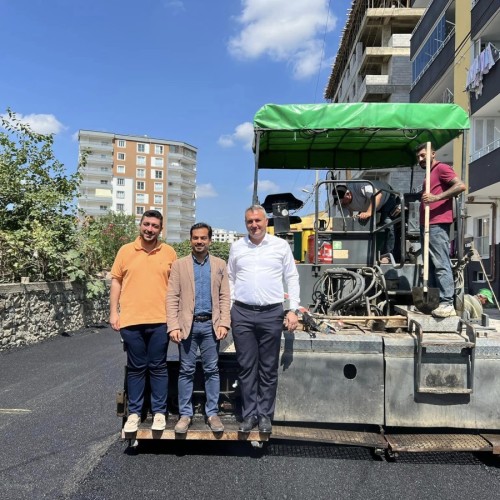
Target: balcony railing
(484, 151)
(107, 172)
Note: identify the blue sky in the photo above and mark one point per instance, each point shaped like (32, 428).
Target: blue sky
(187, 70)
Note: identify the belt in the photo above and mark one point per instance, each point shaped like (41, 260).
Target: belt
(251, 307)
(201, 318)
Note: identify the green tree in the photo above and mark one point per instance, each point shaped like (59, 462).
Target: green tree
(37, 209)
(101, 238)
(33, 183)
(217, 248)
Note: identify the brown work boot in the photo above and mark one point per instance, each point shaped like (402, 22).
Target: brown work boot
(182, 426)
(215, 423)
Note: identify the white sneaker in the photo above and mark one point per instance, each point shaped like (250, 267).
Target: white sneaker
(159, 422)
(444, 311)
(132, 423)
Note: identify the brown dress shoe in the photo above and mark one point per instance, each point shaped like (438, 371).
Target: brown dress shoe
(215, 423)
(182, 426)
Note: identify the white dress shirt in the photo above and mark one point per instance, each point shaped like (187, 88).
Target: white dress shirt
(256, 272)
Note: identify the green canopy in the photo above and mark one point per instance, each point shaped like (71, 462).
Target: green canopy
(354, 136)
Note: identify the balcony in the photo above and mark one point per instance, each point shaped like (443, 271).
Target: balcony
(426, 24)
(94, 211)
(108, 160)
(86, 183)
(485, 170)
(96, 146)
(106, 173)
(97, 198)
(490, 89)
(483, 11)
(436, 68)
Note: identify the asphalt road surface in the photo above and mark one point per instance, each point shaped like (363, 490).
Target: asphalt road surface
(59, 438)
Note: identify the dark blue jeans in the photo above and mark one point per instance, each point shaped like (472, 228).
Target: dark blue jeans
(202, 336)
(146, 351)
(440, 272)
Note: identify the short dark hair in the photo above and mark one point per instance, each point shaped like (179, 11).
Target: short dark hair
(153, 213)
(201, 225)
(423, 145)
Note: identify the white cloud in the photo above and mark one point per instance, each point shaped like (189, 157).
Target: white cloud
(206, 191)
(74, 137)
(174, 5)
(265, 186)
(284, 30)
(243, 134)
(41, 124)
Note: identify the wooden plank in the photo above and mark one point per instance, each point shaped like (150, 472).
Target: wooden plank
(199, 430)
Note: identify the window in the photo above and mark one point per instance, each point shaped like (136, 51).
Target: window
(120, 181)
(120, 194)
(486, 133)
(142, 148)
(104, 181)
(120, 169)
(103, 207)
(120, 156)
(121, 143)
(139, 210)
(159, 186)
(141, 160)
(141, 185)
(157, 162)
(140, 198)
(120, 207)
(174, 149)
(140, 173)
(158, 199)
(158, 174)
(158, 149)
(482, 236)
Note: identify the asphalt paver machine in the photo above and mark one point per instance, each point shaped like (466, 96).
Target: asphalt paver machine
(368, 368)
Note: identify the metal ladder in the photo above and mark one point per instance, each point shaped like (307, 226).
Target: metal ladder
(452, 347)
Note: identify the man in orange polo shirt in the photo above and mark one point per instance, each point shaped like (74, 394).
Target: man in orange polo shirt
(138, 311)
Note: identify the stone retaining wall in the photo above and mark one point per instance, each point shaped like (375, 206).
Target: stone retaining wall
(33, 312)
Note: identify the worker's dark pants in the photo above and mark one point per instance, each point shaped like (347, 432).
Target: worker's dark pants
(257, 338)
(385, 218)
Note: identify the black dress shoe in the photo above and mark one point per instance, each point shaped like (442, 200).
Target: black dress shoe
(265, 424)
(248, 424)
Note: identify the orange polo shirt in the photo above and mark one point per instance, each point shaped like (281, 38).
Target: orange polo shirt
(144, 280)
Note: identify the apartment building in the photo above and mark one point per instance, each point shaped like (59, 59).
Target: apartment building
(454, 53)
(373, 65)
(132, 174)
(225, 236)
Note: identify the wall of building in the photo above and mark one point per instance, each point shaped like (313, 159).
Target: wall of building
(34, 312)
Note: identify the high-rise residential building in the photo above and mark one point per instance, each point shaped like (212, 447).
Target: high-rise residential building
(373, 65)
(132, 174)
(225, 236)
(455, 57)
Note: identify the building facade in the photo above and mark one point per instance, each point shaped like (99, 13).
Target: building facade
(454, 53)
(132, 174)
(225, 236)
(373, 65)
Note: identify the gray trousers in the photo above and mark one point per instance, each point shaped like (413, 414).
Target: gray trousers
(257, 338)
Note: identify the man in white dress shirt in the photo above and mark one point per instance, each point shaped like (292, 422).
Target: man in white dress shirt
(258, 264)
